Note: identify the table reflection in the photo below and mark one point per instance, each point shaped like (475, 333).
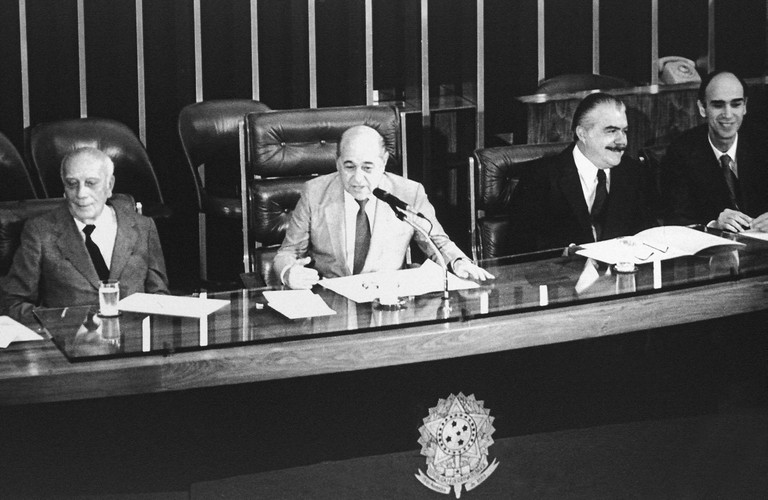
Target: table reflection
(523, 283)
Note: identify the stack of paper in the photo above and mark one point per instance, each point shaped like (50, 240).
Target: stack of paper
(170, 305)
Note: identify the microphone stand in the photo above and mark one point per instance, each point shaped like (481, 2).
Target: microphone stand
(444, 311)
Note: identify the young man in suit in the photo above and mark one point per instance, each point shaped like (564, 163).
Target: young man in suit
(338, 211)
(589, 192)
(717, 173)
(53, 266)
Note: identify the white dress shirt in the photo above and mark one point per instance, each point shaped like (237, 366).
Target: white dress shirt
(731, 152)
(104, 234)
(588, 177)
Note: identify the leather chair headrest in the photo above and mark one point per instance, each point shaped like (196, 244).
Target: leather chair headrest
(500, 169)
(16, 183)
(304, 141)
(49, 143)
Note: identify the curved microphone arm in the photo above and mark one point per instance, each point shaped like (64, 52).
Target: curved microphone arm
(444, 310)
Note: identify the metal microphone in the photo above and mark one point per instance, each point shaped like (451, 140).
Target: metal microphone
(395, 202)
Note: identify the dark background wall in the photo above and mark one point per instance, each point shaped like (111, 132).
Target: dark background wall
(510, 59)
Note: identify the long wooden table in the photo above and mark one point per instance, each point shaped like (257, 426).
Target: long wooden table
(38, 372)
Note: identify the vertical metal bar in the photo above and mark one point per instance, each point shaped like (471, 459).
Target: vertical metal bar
(711, 36)
(311, 20)
(426, 119)
(425, 62)
(654, 42)
(141, 87)
(81, 58)
(247, 265)
(24, 53)
(540, 39)
(480, 119)
(255, 82)
(196, 26)
(596, 37)
(369, 52)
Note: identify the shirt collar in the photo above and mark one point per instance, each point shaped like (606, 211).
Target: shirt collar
(731, 151)
(586, 168)
(105, 218)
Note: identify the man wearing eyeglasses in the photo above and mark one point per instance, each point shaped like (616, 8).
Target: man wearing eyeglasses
(717, 173)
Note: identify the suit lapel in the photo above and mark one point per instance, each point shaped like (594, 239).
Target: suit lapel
(570, 186)
(72, 246)
(333, 212)
(125, 242)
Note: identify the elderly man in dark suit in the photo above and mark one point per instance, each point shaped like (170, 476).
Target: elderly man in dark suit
(717, 173)
(65, 253)
(589, 192)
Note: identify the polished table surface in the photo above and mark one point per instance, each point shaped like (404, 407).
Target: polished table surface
(243, 342)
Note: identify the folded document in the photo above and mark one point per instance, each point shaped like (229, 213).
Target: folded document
(656, 243)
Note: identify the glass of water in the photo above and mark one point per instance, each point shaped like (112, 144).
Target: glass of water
(109, 295)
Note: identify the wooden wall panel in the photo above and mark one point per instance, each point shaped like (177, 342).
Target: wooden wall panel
(568, 36)
(10, 76)
(110, 51)
(226, 47)
(340, 52)
(53, 60)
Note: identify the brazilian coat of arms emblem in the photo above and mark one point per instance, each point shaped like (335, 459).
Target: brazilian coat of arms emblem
(455, 438)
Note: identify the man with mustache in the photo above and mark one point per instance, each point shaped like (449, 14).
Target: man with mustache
(591, 191)
(717, 173)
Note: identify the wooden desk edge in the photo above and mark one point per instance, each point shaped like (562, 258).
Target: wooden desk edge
(47, 376)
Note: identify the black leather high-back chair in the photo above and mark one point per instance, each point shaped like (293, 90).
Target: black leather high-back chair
(493, 176)
(15, 182)
(576, 82)
(282, 149)
(210, 136)
(48, 144)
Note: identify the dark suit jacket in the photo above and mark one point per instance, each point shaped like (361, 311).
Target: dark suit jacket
(694, 187)
(52, 268)
(548, 209)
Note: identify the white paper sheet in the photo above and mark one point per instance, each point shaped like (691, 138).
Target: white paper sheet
(657, 243)
(753, 233)
(170, 305)
(13, 331)
(409, 282)
(295, 304)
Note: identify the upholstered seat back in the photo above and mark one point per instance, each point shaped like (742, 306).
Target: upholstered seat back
(209, 132)
(48, 143)
(15, 182)
(13, 214)
(303, 141)
(498, 171)
(285, 148)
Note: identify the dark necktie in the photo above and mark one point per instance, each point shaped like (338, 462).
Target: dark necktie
(362, 237)
(601, 194)
(731, 181)
(93, 250)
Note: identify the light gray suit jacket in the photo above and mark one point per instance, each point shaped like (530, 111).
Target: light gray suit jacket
(317, 229)
(52, 268)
